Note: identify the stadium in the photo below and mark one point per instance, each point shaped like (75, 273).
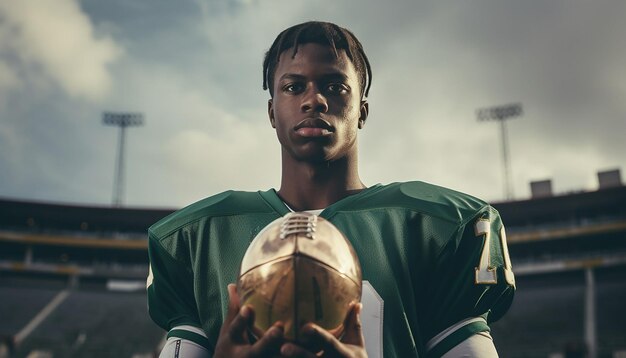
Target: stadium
(178, 86)
(72, 278)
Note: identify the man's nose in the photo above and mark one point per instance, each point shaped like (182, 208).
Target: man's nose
(314, 101)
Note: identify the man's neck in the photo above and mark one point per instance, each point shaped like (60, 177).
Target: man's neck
(307, 186)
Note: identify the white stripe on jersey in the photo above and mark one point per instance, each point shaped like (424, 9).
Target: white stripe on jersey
(193, 329)
(448, 331)
(150, 277)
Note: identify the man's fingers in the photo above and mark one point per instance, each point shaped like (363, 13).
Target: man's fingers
(292, 350)
(354, 331)
(233, 304)
(269, 344)
(237, 328)
(232, 294)
(320, 339)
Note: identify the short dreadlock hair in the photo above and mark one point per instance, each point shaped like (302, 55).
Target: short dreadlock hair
(323, 33)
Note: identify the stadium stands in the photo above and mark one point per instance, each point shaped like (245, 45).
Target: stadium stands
(21, 304)
(546, 315)
(96, 324)
(63, 266)
(611, 319)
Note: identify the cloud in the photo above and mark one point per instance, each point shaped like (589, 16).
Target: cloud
(192, 145)
(562, 60)
(57, 41)
(8, 78)
(236, 159)
(194, 69)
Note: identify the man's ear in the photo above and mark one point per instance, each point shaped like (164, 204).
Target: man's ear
(270, 112)
(365, 108)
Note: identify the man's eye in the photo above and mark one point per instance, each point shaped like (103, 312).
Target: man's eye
(293, 87)
(336, 88)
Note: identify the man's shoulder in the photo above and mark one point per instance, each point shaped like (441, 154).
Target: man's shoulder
(432, 200)
(227, 203)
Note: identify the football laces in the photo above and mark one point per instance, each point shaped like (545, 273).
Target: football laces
(298, 223)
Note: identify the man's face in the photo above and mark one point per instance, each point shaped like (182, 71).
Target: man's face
(316, 108)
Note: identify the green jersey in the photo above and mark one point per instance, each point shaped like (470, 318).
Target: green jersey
(435, 264)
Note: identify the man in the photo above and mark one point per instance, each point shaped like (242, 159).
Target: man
(435, 263)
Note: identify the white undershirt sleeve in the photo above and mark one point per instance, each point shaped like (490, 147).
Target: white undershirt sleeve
(478, 345)
(185, 342)
(182, 348)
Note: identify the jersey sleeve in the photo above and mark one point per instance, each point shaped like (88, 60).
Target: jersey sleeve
(472, 284)
(171, 300)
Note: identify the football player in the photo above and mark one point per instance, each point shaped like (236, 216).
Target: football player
(435, 263)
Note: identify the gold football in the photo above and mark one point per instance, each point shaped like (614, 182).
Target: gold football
(299, 269)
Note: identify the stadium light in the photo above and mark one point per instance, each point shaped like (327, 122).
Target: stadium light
(121, 120)
(501, 114)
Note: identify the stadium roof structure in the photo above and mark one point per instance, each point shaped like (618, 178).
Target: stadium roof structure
(604, 204)
(40, 216)
(605, 208)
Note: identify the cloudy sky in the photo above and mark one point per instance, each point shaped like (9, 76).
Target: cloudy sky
(193, 68)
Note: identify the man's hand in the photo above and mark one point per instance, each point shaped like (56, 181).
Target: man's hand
(351, 345)
(233, 341)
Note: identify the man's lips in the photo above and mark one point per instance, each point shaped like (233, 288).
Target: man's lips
(314, 127)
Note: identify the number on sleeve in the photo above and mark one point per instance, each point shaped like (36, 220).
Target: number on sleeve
(508, 268)
(485, 273)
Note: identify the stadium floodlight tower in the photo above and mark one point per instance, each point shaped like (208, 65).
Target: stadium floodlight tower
(501, 114)
(121, 120)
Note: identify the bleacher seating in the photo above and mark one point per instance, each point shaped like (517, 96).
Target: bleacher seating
(47, 248)
(20, 304)
(97, 324)
(611, 315)
(550, 303)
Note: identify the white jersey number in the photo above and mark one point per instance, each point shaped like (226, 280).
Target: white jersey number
(485, 273)
(372, 320)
